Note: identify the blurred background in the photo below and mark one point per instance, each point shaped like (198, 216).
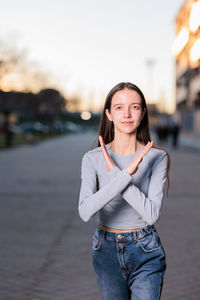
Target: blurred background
(58, 61)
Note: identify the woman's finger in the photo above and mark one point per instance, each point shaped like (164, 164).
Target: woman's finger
(109, 162)
(103, 147)
(102, 143)
(146, 149)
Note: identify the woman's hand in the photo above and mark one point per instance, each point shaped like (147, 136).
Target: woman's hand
(133, 166)
(109, 162)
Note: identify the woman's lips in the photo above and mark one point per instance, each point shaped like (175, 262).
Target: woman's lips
(127, 123)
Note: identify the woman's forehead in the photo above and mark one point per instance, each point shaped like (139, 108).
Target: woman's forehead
(126, 96)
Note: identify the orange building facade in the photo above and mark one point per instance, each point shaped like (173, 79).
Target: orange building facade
(186, 49)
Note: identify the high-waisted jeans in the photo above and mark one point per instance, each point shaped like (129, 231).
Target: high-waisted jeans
(129, 265)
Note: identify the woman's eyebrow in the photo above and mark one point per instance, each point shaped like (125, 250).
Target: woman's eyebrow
(123, 103)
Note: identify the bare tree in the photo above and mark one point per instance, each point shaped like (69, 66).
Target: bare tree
(18, 73)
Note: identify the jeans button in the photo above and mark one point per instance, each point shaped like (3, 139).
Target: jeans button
(119, 236)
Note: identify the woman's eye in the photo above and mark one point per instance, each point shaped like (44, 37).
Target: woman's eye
(136, 107)
(118, 107)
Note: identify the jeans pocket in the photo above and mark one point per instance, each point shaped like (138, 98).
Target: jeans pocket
(150, 242)
(96, 241)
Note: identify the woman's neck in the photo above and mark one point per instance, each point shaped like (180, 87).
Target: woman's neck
(125, 145)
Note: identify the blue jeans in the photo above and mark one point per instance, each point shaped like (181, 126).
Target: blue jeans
(129, 265)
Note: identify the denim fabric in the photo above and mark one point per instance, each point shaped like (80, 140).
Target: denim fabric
(129, 265)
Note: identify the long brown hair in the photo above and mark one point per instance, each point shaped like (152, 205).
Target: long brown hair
(106, 127)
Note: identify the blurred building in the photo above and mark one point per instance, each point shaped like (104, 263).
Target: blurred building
(186, 49)
(153, 113)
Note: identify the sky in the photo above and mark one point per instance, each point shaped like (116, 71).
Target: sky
(91, 45)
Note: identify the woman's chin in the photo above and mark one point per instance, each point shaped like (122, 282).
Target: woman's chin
(128, 130)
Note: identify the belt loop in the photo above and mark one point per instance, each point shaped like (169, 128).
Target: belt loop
(137, 236)
(100, 231)
(103, 232)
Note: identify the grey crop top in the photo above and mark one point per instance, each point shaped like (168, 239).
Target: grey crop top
(121, 200)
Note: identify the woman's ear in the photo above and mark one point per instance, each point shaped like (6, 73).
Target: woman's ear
(108, 114)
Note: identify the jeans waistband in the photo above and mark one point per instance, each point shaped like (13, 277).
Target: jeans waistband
(131, 235)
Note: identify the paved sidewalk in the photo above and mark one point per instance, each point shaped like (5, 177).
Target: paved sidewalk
(46, 248)
(192, 143)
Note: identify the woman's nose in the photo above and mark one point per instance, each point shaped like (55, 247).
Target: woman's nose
(127, 112)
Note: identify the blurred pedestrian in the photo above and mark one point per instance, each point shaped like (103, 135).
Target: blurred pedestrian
(162, 130)
(8, 132)
(175, 129)
(124, 180)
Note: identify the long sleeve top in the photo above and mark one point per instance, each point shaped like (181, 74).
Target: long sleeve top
(121, 200)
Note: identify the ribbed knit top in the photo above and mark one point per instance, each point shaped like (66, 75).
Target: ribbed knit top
(121, 200)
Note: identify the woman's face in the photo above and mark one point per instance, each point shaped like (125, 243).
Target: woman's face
(126, 111)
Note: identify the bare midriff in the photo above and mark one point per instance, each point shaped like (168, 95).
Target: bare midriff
(117, 230)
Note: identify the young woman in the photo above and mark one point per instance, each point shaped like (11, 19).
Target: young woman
(124, 181)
